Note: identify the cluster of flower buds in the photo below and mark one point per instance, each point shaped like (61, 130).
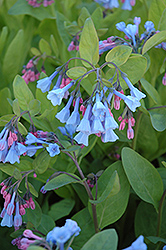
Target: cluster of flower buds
(110, 4)
(60, 235)
(11, 146)
(25, 240)
(14, 203)
(30, 71)
(37, 3)
(74, 45)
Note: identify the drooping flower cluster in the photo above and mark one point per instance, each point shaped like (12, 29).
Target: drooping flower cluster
(138, 244)
(37, 3)
(60, 235)
(74, 45)
(110, 4)
(30, 71)
(14, 203)
(97, 116)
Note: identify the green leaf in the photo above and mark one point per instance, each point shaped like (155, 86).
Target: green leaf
(113, 207)
(34, 248)
(32, 189)
(45, 47)
(118, 55)
(106, 240)
(155, 239)
(83, 16)
(3, 37)
(17, 175)
(33, 216)
(60, 181)
(16, 107)
(7, 168)
(61, 209)
(135, 67)
(97, 17)
(76, 72)
(72, 148)
(34, 107)
(46, 225)
(112, 188)
(41, 162)
(4, 104)
(154, 40)
(86, 224)
(162, 22)
(22, 92)
(16, 45)
(5, 119)
(151, 91)
(156, 12)
(164, 163)
(35, 51)
(22, 7)
(89, 37)
(22, 129)
(158, 118)
(54, 45)
(143, 177)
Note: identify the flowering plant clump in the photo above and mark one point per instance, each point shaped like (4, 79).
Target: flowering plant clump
(83, 125)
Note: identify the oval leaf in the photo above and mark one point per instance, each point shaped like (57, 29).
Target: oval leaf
(60, 181)
(76, 72)
(158, 118)
(118, 55)
(41, 162)
(89, 37)
(44, 47)
(154, 40)
(151, 91)
(143, 177)
(105, 240)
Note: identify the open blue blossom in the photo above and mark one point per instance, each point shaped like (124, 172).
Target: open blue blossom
(64, 114)
(84, 125)
(149, 26)
(7, 220)
(138, 244)
(109, 136)
(61, 234)
(164, 248)
(131, 31)
(30, 138)
(74, 119)
(17, 217)
(31, 150)
(98, 108)
(53, 149)
(96, 126)
(14, 152)
(56, 95)
(3, 139)
(121, 26)
(72, 226)
(134, 91)
(45, 83)
(109, 121)
(82, 138)
(131, 101)
(127, 5)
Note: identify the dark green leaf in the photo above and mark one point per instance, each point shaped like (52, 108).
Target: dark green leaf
(17, 175)
(33, 216)
(41, 162)
(46, 225)
(143, 177)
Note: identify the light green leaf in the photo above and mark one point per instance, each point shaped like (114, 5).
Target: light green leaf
(22, 7)
(54, 45)
(5, 93)
(32, 189)
(60, 181)
(61, 209)
(41, 162)
(16, 107)
(17, 175)
(45, 47)
(118, 55)
(35, 51)
(3, 37)
(22, 129)
(143, 177)
(135, 67)
(156, 11)
(83, 16)
(162, 22)
(31, 247)
(154, 40)
(22, 92)
(5, 119)
(151, 91)
(106, 240)
(34, 107)
(89, 37)
(112, 188)
(158, 118)
(12, 53)
(76, 72)
(97, 17)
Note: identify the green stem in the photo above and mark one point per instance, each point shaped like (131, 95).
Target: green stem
(159, 220)
(88, 192)
(134, 142)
